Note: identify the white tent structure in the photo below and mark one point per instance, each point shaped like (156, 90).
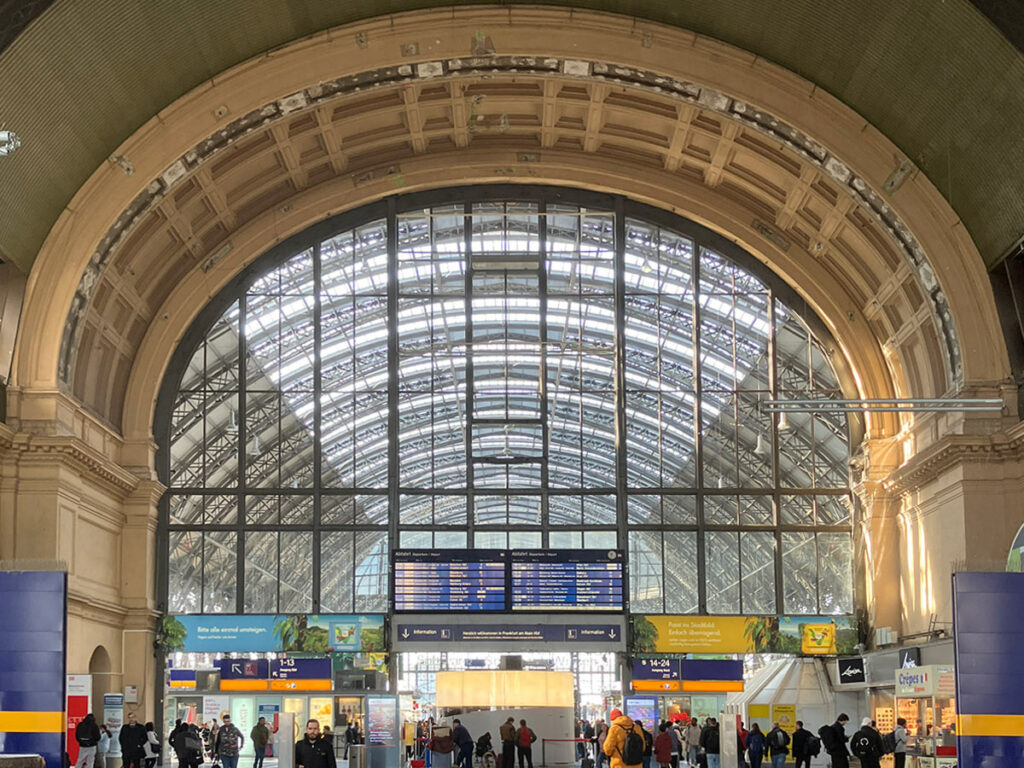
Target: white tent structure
(800, 682)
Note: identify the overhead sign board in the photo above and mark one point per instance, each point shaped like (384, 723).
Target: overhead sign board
(293, 674)
(548, 633)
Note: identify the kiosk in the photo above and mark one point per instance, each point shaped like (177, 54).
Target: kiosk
(925, 698)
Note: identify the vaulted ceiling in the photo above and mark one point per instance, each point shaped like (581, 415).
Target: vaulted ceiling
(937, 78)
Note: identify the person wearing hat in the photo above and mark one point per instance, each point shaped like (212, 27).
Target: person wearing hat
(867, 745)
(624, 739)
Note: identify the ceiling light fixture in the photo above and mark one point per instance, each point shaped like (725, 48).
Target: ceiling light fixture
(9, 142)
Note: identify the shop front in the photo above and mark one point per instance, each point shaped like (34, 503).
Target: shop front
(313, 667)
(925, 698)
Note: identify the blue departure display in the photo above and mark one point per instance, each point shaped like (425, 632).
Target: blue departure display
(450, 580)
(545, 580)
(446, 580)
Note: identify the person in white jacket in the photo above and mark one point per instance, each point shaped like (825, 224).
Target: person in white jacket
(103, 747)
(152, 746)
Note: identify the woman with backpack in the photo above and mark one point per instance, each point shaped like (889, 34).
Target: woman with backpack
(900, 738)
(755, 746)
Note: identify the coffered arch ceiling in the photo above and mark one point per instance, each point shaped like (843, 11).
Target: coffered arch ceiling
(283, 141)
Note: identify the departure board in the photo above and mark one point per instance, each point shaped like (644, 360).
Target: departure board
(545, 580)
(450, 580)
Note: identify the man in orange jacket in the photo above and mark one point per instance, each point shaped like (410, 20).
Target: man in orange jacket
(624, 739)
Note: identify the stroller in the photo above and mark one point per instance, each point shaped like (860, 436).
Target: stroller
(484, 756)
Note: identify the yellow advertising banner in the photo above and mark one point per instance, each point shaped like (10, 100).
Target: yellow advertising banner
(785, 716)
(797, 635)
(818, 639)
(701, 634)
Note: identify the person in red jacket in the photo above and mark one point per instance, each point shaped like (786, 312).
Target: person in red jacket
(663, 746)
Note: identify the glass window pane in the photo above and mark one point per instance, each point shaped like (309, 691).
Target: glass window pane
(757, 562)
(799, 573)
(722, 580)
(645, 572)
(372, 571)
(835, 591)
(600, 540)
(296, 587)
(261, 572)
(415, 540)
(450, 539)
(681, 581)
(565, 539)
(220, 582)
(336, 571)
(184, 572)
(524, 540)
(490, 540)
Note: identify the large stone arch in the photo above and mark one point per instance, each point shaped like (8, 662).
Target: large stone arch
(687, 123)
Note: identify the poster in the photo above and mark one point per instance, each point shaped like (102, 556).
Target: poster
(113, 717)
(644, 709)
(77, 705)
(785, 716)
(703, 707)
(242, 714)
(215, 707)
(381, 722)
(797, 635)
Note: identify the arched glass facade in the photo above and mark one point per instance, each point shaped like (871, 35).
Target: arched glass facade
(503, 368)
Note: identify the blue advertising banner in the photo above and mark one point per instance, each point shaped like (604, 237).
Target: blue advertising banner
(298, 633)
(33, 635)
(712, 669)
(988, 633)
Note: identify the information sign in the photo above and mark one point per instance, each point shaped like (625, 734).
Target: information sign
(656, 669)
(449, 580)
(301, 674)
(552, 580)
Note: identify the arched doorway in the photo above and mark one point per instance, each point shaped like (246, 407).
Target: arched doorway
(99, 668)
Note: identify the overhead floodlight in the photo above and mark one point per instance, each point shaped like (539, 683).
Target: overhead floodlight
(784, 425)
(761, 449)
(9, 142)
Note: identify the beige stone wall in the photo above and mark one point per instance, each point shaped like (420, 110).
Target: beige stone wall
(65, 500)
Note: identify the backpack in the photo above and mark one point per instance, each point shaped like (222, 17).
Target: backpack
(526, 737)
(828, 737)
(190, 741)
(812, 747)
(633, 749)
(860, 745)
(713, 746)
(889, 743)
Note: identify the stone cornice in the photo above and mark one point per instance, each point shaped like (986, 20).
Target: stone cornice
(75, 454)
(952, 450)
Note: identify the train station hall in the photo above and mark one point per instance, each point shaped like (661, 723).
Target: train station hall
(455, 383)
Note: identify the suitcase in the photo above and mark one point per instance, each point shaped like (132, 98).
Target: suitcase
(587, 762)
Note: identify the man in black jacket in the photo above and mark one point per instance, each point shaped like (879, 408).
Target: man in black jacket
(711, 743)
(313, 752)
(867, 745)
(133, 743)
(87, 734)
(835, 744)
(800, 737)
